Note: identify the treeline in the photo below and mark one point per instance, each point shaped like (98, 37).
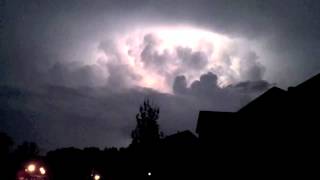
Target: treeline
(151, 155)
(13, 158)
(169, 157)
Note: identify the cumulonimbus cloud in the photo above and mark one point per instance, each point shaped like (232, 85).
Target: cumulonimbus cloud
(155, 56)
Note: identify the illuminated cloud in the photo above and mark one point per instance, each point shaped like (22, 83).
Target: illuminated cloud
(154, 56)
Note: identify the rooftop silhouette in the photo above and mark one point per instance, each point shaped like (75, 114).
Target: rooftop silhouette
(277, 130)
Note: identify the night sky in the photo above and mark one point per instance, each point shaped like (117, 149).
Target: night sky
(73, 72)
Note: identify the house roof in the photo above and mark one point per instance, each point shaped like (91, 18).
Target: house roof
(311, 85)
(275, 101)
(180, 139)
(181, 135)
(213, 118)
(312, 82)
(270, 98)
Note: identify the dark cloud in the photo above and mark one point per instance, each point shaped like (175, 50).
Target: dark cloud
(252, 69)
(151, 56)
(209, 95)
(120, 76)
(180, 85)
(71, 76)
(108, 47)
(195, 60)
(207, 83)
(252, 86)
(58, 116)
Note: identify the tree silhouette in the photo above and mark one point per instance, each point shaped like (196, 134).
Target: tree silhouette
(147, 129)
(26, 150)
(5, 144)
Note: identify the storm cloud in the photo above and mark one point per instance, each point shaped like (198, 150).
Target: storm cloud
(73, 73)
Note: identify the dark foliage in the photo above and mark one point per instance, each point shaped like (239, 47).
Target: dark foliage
(147, 129)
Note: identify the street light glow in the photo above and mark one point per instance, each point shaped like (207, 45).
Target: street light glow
(42, 170)
(96, 177)
(31, 168)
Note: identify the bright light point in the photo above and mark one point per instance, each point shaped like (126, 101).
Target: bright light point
(42, 170)
(96, 177)
(31, 168)
(149, 173)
